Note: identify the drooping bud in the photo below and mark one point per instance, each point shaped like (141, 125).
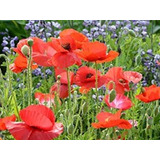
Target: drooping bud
(25, 50)
(30, 42)
(112, 95)
(132, 33)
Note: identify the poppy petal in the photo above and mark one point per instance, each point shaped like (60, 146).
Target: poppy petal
(131, 76)
(47, 135)
(63, 60)
(19, 130)
(110, 57)
(5, 120)
(38, 116)
(120, 102)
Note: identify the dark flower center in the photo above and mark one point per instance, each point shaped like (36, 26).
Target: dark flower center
(89, 75)
(66, 46)
(122, 81)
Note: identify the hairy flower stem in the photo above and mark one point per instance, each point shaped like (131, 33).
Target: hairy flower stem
(29, 71)
(96, 83)
(69, 87)
(23, 91)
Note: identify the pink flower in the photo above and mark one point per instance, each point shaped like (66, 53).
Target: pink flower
(131, 76)
(120, 102)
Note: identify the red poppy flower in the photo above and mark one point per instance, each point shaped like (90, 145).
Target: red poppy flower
(38, 124)
(20, 63)
(5, 120)
(96, 52)
(120, 102)
(65, 56)
(86, 78)
(63, 90)
(77, 36)
(14, 68)
(151, 93)
(131, 76)
(44, 58)
(44, 99)
(38, 48)
(116, 75)
(107, 120)
(42, 52)
(38, 45)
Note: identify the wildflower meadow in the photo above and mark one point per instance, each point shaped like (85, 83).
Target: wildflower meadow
(79, 80)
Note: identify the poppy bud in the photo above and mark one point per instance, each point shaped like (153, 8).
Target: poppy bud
(132, 33)
(112, 95)
(58, 77)
(70, 128)
(30, 42)
(84, 108)
(25, 50)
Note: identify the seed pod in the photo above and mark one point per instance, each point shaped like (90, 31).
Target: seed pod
(25, 50)
(30, 42)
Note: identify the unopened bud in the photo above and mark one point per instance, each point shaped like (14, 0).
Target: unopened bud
(58, 77)
(30, 42)
(25, 50)
(112, 95)
(84, 108)
(132, 33)
(70, 129)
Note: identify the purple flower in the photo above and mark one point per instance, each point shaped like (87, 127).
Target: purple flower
(43, 29)
(37, 72)
(100, 98)
(48, 72)
(38, 85)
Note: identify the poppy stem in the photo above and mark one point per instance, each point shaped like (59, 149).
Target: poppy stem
(69, 86)
(29, 70)
(96, 83)
(23, 90)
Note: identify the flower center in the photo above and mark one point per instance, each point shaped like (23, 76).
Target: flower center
(89, 75)
(66, 46)
(122, 81)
